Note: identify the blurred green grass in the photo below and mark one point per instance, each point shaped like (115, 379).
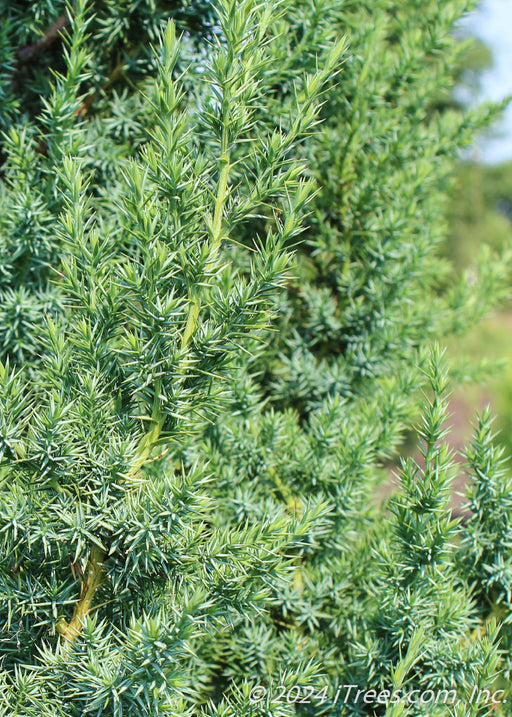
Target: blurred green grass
(480, 212)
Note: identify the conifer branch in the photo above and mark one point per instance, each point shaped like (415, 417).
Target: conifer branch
(264, 178)
(93, 579)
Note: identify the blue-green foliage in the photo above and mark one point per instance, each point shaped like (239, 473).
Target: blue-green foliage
(219, 284)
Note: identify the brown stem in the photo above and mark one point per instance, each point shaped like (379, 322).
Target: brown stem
(53, 33)
(113, 77)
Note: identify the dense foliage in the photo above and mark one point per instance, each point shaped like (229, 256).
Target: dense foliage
(221, 294)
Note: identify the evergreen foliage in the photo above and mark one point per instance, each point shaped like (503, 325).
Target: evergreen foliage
(220, 293)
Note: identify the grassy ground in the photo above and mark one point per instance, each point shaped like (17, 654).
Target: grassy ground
(490, 342)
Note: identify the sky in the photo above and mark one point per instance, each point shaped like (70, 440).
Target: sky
(493, 23)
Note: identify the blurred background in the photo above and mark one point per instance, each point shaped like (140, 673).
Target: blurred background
(480, 210)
